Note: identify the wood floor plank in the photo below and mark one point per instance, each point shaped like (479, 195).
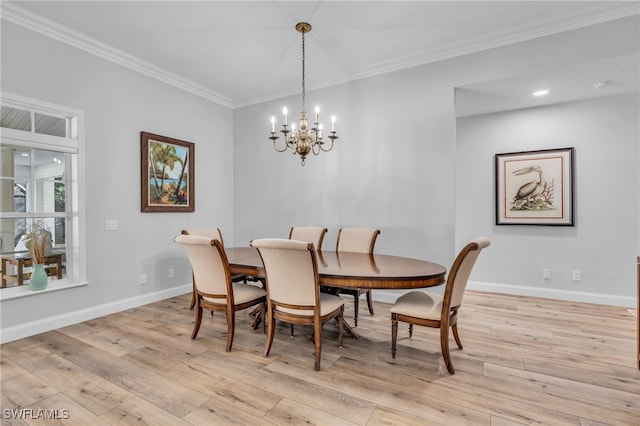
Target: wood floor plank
(174, 398)
(218, 412)
(525, 361)
(294, 413)
(136, 411)
(60, 410)
(20, 388)
(306, 391)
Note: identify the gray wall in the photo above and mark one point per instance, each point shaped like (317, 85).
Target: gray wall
(394, 166)
(603, 244)
(119, 103)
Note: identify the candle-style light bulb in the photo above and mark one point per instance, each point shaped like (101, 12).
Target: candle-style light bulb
(333, 123)
(273, 124)
(317, 113)
(284, 111)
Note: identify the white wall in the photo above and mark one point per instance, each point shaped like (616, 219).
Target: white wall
(603, 243)
(118, 104)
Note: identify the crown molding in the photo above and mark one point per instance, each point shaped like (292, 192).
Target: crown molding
(51, 29)
(596, 15)
(599, 13)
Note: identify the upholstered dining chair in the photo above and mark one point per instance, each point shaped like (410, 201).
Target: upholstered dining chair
(357, 240)
(293, 290)
(214, 289)
(434, 310)
(312, 234)
(214, 234)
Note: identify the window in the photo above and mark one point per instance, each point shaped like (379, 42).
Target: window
(39, 182)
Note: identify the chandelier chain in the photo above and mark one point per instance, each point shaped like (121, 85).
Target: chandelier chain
(303, 73)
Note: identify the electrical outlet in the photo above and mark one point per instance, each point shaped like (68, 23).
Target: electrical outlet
(546, 274)
(576, 275)
(172, 273)
(143, 278)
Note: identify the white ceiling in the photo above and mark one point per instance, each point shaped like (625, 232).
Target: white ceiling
(239, 53)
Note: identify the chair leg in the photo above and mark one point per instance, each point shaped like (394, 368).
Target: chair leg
(317, 339)
(410, 330)
(231, 325)
(444, 344)
(370, 301)
(454, 328)
(394, 335)
(193, 295)
(291, 329)
(271, 328)
(196, 326)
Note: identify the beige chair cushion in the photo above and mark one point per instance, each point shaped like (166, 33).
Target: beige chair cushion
(242, 293)
(419, 305)
(289, 270)
(357, 240)
(328, 304)
(312, 234)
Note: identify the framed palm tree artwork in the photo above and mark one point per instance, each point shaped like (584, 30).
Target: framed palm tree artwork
(535, 187)
(167, 174)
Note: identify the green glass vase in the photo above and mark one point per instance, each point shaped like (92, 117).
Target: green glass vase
(39, 278)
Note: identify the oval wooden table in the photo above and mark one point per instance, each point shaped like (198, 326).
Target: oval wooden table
(363, 270)
(374, 271)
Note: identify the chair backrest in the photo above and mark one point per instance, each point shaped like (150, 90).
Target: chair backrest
(209, 264)
(312, 234)
(291, 271)
(357, 240)
(211, 233)
(460, 271)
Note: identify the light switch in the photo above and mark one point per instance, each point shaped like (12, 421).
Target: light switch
(110, 225)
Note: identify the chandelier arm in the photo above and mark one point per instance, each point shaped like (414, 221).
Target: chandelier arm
(328, 149)
(275, 146)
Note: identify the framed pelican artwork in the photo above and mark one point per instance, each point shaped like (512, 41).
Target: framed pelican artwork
(535, 187)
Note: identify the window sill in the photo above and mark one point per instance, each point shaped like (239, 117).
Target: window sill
(25, 291)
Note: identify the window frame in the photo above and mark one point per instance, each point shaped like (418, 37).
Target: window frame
(76, 213)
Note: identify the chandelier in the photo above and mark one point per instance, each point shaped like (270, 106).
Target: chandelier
(303, 139)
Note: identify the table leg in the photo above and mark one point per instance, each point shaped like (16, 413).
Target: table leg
(349, 330)
(20, 272)
(59, 260)
(4, 272)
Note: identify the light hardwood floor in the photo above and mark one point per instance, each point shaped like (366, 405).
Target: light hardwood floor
(525, 361)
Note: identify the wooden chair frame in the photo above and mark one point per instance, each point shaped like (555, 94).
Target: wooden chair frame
(448, 317)
(230, 307)
(316, 320)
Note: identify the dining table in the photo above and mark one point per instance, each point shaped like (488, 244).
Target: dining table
(351, 270)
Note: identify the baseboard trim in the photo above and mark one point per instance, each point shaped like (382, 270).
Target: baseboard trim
(40, 326)
(390, 296)
(555, 293)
